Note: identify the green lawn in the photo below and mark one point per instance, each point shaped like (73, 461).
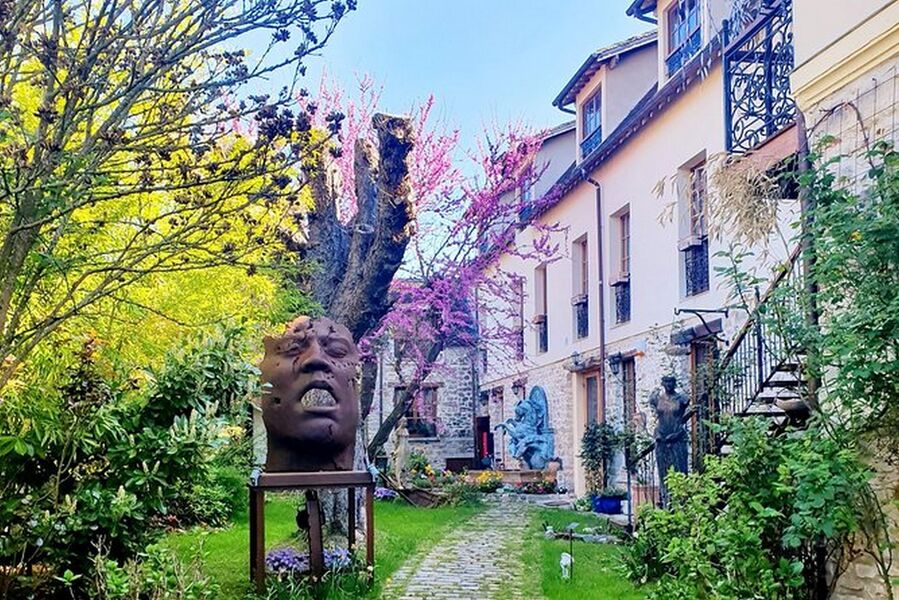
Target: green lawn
(400, 531)
(595, 574)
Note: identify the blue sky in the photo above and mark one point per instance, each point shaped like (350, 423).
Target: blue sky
(484, 60)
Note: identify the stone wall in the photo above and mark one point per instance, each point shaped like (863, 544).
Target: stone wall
(556, 381)
(454, 381)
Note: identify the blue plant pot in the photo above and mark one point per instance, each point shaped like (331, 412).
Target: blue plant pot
(606, 506)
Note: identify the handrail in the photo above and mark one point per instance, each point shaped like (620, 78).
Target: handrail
(788, 265)
(751, 320)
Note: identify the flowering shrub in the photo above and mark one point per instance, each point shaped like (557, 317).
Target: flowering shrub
(423, 475)
(290, 560)
(382, 493)
(489, 481)
(536, 487)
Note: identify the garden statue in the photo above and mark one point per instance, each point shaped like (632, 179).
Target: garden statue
(565, 562)
(530, 436)
(310, 399)
(670, 435)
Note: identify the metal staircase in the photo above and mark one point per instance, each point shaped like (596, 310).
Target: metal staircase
(762, 374)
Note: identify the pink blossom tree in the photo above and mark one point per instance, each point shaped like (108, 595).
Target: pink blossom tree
(446, 284)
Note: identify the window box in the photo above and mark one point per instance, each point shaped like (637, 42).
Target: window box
(691, 241)
(619, 278)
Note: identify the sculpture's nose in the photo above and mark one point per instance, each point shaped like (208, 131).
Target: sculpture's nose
(315, 360)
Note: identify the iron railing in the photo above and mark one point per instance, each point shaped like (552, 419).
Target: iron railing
(696, 268)
(679, 57)
(582, 317)
(758, 61)
(622, 301)
(765, 346)
(591, 142)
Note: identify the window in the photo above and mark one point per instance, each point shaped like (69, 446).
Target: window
(581, 281)
(698, 185)
(624, 224)
(622, 283)
(421, 416)
(583, 266)
(591, 125)
(540, 317)
(684, 33)
(696, 252)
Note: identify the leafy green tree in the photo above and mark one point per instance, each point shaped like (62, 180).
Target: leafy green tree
(131, 146)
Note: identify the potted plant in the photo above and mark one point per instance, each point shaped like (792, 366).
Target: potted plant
(609, 501)
(598, 447)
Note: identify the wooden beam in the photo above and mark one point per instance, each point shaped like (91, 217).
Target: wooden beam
(318, 479)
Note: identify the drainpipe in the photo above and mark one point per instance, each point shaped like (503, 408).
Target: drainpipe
(600, 301)
(566, 110)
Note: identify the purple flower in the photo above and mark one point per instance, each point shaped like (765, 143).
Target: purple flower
(290, 560)
(382, 493)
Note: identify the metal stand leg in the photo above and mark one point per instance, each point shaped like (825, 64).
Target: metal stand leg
(257, 539)
(351, 518)
(316, 547)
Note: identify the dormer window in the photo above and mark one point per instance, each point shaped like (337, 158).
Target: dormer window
(591, 123)
(684, 33)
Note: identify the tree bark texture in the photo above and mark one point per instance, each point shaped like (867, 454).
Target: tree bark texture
(354, 263)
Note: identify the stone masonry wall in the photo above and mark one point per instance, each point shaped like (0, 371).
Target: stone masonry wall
(454, 381)
(556, 382)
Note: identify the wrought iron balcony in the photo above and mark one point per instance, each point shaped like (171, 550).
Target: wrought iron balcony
(622, 301)
(758, 60)
(591, 142)
(582, 317)
(696, 268)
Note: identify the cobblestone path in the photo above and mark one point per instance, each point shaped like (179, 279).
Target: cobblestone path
(479, 560)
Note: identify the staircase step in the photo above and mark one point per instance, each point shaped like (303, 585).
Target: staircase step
(783, 383)
(788, 367)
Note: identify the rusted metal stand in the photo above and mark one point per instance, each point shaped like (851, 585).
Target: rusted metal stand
(310, 482)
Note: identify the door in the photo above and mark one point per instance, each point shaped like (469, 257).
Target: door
(595, 412)
(702, 360)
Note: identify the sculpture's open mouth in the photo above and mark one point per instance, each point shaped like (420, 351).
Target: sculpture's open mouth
(318, 396)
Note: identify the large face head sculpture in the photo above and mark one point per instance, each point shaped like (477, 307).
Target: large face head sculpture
(310, 404)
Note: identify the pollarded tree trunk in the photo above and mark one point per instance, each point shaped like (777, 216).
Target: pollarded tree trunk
(354, 263)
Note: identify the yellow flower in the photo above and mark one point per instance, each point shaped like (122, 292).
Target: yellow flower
(855, 236)
(233, 432)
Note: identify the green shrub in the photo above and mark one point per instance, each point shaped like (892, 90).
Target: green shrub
(750, 525)
(97, 461)
(154, 573)
(598, 447)
(460, 493)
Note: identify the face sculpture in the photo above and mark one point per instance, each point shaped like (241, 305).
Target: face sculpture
(310, 404)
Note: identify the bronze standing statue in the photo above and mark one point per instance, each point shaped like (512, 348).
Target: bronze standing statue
(310, 400)
(670, 434)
